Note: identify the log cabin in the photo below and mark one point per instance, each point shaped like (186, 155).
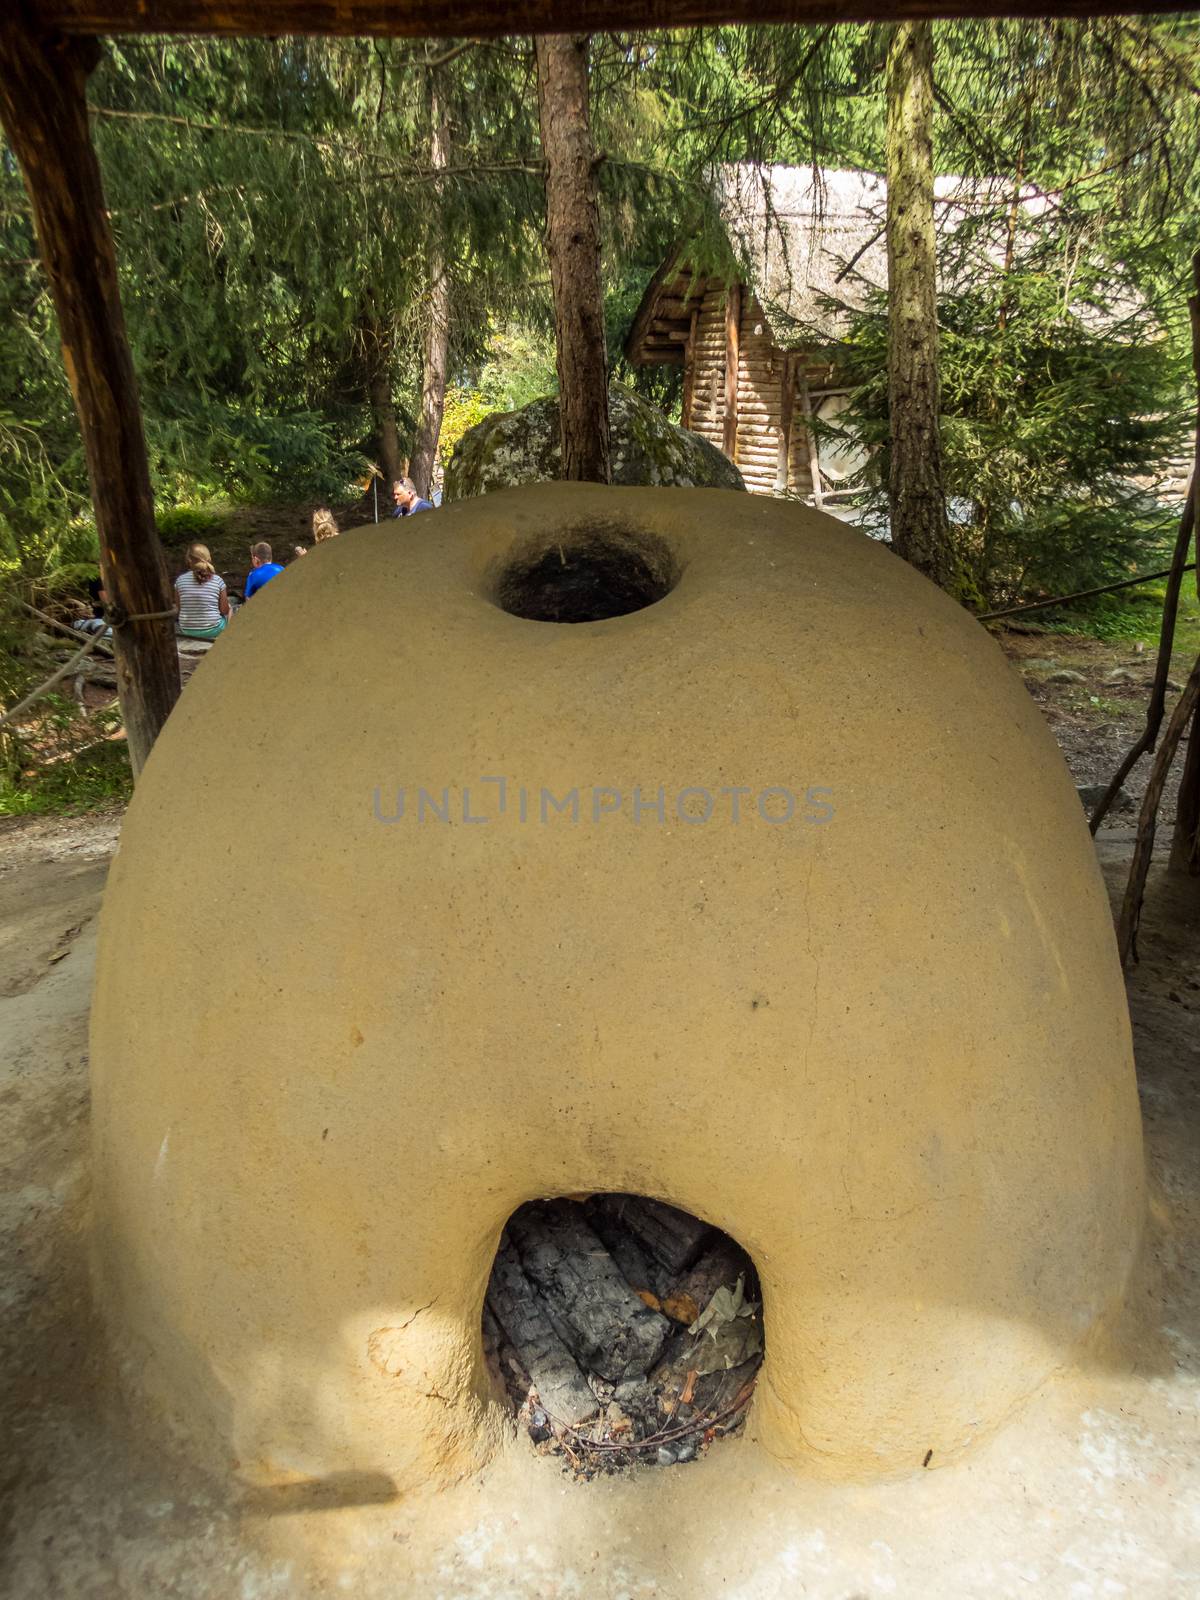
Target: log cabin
(743, 389)
(759, 342)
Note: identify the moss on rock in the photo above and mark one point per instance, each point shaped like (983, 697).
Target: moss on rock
(515, 447)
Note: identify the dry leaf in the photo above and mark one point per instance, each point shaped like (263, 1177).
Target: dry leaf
(649, 1299)
(689, 1388)
(681, 1308)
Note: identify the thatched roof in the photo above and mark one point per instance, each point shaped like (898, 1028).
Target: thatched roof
(811, 239)
(810, 243)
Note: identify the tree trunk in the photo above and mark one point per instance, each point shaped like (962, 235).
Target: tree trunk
(377, 354)
(437, 335)
(1185, 842)
(573, 245)
(43, 107)
(917, 500)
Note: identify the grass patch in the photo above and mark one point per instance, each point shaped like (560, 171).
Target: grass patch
(1132, 616)
(88, 781)
(188, 525)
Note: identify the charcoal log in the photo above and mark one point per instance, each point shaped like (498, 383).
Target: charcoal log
(673, 1237)
(638, 1267)
(517, 1307)
(606, 1326)
(720, 1267)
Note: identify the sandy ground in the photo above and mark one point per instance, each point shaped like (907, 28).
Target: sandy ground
(1093, 1490)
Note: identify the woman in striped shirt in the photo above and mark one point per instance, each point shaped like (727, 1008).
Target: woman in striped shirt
(201, 599)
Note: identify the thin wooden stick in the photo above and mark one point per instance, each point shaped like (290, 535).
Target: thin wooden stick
(71, 633)
(696, 1425)
(1156, 706)
(1143, 850)
(1083, 594)
(1166, 637)
(55, 678)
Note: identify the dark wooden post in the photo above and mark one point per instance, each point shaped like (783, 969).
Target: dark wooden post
(573, 245)
(43, 106)
(733, 339)
(1185, 844)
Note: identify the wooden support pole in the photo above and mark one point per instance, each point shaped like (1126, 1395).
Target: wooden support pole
(814, 454)
(1143, 849)
(43, 107)
(689, 372)
(733, 335)
(1185, 842)
(787, 397)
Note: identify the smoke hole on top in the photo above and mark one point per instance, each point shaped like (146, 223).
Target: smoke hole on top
(591, 571)
(625, 1332)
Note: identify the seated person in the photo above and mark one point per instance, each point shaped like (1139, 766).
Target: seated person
(407, 499)
(201, 599)
(95, 623)
(264, 568)
(324, 524)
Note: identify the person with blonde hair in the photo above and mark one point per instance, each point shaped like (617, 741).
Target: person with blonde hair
(201, 599)
(324, 524)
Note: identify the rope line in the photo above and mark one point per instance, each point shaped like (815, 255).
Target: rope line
(115, 620)
(46, 687)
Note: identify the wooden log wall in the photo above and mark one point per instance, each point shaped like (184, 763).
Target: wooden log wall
(769, 424)
(708, 387)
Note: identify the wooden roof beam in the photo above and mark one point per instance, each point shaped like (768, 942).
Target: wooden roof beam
(493, 18)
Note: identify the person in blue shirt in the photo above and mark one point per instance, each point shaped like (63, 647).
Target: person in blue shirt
(407, 499)
(264, 568)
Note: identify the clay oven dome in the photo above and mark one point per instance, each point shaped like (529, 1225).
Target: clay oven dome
(871, 1025)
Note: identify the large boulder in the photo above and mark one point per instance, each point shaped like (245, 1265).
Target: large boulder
(516, 447)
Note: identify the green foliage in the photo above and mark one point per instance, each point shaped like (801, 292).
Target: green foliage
(75, 780)
(518, 367)
(186, 525)
(47, 560)
(1132, 615)
(464, 409)
(61, 757)
(277, 212)
(1057, 389)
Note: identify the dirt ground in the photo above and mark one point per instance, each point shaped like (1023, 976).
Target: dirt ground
(1093, 1490)
(1093, 695)
(282, 524)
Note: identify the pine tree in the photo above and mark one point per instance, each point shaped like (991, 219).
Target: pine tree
(916, 493)
(573, 246)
